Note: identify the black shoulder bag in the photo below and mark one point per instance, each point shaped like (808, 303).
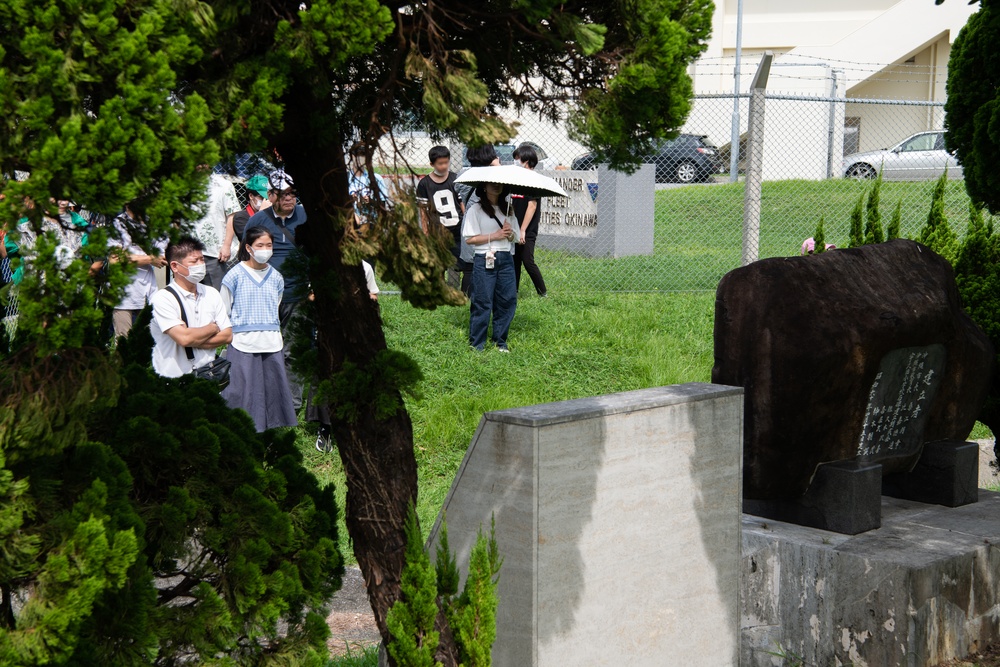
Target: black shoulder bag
(217, 370)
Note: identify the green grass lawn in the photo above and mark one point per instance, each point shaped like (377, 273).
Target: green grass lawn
(697, 235)
(362, 656)
(562, 347)
(587, 339)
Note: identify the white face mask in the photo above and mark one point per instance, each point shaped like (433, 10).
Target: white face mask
(196, 273)
(261, 256)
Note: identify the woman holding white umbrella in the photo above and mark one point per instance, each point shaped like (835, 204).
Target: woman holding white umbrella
(491, 229)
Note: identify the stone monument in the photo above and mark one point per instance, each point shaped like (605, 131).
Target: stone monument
(607, 213)
(618, 520)
(860, 370)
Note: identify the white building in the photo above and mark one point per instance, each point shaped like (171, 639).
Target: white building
(852, 49)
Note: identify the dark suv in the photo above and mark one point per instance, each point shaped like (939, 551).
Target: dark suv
(685, 159)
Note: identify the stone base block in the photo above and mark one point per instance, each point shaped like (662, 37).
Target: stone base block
(844, 497)
(946, 474)
(921, 590)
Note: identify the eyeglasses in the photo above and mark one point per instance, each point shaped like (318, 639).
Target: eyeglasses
(288, 193)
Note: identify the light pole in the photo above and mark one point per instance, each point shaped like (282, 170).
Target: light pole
(734, 144)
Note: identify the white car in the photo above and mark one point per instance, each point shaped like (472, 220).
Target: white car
(917, 158)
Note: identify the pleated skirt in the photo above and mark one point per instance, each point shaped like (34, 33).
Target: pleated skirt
(258, 384)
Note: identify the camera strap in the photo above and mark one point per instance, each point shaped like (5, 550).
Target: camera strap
(187, 350)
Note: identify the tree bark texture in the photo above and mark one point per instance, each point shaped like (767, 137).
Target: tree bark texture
(376, 451)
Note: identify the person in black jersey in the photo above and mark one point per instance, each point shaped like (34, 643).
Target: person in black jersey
(438, 190)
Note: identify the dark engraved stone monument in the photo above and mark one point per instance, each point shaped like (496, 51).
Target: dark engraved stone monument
(851, 361)
(904, 387)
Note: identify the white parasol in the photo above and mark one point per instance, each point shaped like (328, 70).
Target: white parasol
(521, 180)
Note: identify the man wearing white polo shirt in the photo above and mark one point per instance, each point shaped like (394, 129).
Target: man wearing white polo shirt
(207, 326)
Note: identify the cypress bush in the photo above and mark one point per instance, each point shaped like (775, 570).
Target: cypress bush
(471, 615)
(894, 223)
(145, 522)
(937, 234)
(857, 237)
(819, 238)
(873, 218)
(977, 274)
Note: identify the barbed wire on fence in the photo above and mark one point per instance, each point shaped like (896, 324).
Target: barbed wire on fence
(697, 223)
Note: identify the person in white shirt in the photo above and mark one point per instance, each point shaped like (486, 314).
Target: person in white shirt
(143, 284)
(215, 229)
(208, 325)
(491, 229)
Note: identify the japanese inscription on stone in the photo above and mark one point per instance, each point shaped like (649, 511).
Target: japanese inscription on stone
(905, 386)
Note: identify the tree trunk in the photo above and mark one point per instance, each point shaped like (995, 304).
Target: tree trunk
(376, 450)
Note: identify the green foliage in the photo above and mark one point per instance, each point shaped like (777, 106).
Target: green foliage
(937, 234)
(790, 658)
(153, 524)
(365, 656)
(68, 551)
(471, 615)
(408, 257)
(972, 108)
(90, 110)
(897, 216)
(857, 238)
(589, 37)
(411, 619)
(446, 567)
(819, 237)
(649, 95)
(873, 220)
(977, 274)
(121, 103)
(352, 389)
(455, 98)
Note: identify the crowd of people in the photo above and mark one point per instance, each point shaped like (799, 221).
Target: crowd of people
(494, 230)
(226, 287)
(60, 220)
(248, 305)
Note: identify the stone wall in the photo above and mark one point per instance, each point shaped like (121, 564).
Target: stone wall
(922, 589)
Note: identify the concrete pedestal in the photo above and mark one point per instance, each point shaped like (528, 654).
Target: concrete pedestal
(618, 519)
(922, 589)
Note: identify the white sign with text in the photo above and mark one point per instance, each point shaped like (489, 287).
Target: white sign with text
(575, 215)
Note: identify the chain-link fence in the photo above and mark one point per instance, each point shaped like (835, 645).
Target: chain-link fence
(8, 298)
(679, 224)
(819, 156)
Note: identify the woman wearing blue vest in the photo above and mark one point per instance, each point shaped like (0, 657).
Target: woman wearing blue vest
(257, 379)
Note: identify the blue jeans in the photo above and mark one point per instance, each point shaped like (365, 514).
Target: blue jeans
(494, 292)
